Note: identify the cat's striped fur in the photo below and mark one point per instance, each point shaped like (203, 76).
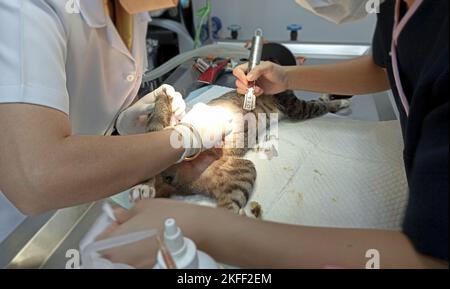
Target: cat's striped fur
(222, 173)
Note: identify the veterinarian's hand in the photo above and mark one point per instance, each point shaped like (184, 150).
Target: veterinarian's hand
(151, 214)
(270, 78)
(212, 124)
(133, 120)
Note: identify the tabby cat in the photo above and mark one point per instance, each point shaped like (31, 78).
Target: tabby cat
(222, 173)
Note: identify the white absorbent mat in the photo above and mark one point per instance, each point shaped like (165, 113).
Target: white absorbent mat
(332, 172)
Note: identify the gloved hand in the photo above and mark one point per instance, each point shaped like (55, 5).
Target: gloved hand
(133, 119)
(202, 128)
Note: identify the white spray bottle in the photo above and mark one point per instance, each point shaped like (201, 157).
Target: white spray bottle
(183, 250)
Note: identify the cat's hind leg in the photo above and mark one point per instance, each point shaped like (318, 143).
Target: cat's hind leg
(235, 182)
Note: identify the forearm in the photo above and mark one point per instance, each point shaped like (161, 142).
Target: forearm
(43, 166)
(250, 243)
(89, 168)
(353, 77)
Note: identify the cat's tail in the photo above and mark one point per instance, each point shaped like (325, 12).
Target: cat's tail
(296, 109)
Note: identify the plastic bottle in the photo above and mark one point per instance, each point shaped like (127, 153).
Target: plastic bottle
(183, 250)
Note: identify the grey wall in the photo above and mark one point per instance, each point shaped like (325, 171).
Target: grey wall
(273, 16)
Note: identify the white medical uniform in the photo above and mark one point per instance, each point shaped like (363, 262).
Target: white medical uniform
(76, 63)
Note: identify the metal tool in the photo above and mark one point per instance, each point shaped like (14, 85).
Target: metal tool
(255, 60)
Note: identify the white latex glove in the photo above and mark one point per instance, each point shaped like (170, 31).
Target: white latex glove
(133, 119)
(210, 124)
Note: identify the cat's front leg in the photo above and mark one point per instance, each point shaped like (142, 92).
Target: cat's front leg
(142, 192)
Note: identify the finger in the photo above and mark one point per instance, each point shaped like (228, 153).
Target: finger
(241, 85)
(147, 109)
(240, 73)
(167, 89)
(243, 67)
(259, 71)
(259, 91)
(178, 105)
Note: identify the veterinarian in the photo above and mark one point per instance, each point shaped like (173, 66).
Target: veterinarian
(410, 56)
(70, 73)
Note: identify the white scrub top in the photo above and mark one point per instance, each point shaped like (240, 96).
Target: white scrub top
(74, 62)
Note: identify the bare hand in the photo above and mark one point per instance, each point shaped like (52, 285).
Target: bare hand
(271, 78)
(147, 215)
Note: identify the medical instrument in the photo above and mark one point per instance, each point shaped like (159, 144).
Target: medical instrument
(182, 250)
(201, 65)
(213, 72)
(185, 41)
(216, 50)
(255, 59)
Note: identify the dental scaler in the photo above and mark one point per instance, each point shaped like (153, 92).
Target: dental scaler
(255, 60)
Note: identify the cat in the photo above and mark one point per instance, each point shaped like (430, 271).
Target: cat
(222, 173)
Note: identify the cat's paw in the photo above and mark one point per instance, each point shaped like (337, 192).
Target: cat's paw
(142, 192)
(234, 208)
(255, 211)
(338, 105)
(344, 104)
(325, 98)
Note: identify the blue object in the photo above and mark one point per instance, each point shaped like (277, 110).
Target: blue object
(216, 28)
(294, 28)
(184, 3)
(234, 27)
